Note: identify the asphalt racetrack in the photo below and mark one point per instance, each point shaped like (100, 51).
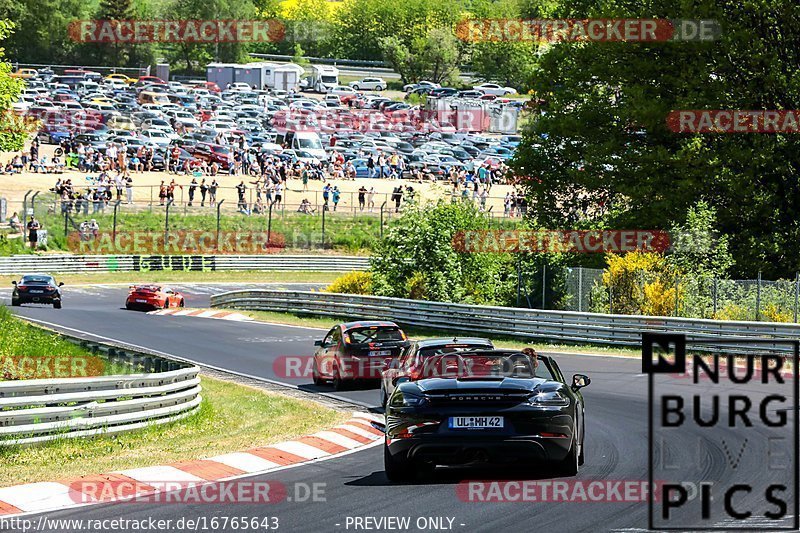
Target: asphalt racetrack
(357, 495)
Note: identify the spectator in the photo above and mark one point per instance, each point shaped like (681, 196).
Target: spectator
(240, 191)
(203, 191)
(362, 192)
(371, 199)
(397, 197)
(192, 189)
(128, 189)
(336, 194)
(212, 192)
(15, 223)
(33, 232)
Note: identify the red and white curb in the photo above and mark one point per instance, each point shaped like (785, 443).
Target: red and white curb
(202, 313)
(357, 433)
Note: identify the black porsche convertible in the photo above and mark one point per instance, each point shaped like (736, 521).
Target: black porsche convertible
(485, 406)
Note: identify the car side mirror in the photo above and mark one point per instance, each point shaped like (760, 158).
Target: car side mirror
(60, 283)
(580, 381)
(13, 282)
(317, 343)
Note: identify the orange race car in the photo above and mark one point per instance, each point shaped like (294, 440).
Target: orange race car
(153, 297)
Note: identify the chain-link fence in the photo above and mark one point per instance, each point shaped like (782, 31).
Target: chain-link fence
(706, 297)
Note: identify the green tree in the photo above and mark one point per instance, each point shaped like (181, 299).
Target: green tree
(358, 25)
(193, 57)
(13, 130)
(698, 248)
(434, 56)
(603, 140)
(42, 29)
(417, 258)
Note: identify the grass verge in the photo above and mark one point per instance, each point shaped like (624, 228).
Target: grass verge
(28, 352)
(231, 418)
(423, 333)
(177, 276)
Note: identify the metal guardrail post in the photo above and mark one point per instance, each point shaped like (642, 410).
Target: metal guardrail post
(166, 225)
(544, 285)
(758, 297)
(219, 205)
(114, 227)
(324, 208)
(383, 205)
(716, 291)
(33, 202)
(269, 223)
(796, 293)
(25, 215)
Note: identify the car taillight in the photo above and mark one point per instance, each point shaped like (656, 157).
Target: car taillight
(22, 287)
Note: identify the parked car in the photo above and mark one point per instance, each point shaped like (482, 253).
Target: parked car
(421, 84)
(369, 84)
(493, 88)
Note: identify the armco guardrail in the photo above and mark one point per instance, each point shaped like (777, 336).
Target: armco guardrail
(553, 326)
(39, 410)
(18, 264)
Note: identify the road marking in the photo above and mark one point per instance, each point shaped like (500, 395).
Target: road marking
(246, 462)
(40, 496)
(300, 449)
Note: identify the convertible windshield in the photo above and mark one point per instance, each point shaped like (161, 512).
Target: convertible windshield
(486, 366)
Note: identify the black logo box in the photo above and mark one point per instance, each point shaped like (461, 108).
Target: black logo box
(676, 343)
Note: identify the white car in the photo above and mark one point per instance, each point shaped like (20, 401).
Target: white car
(157, 136)
(240, 86)
(369, 84)
(493, 88)
(341, 90)
(115, 83)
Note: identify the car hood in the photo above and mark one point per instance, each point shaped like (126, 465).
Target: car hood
(442, 385)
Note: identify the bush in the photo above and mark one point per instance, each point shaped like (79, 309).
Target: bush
(415, 287)
(352, 283)
(417, 254)
(640, 283)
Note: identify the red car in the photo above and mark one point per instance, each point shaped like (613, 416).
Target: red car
(211, 153)
(153, 297)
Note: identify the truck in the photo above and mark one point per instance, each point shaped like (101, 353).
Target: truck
(323, 78)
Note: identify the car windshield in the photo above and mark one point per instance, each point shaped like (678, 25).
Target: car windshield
(485, 365)
(311, 143)
(37, 280)
(375, 334)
